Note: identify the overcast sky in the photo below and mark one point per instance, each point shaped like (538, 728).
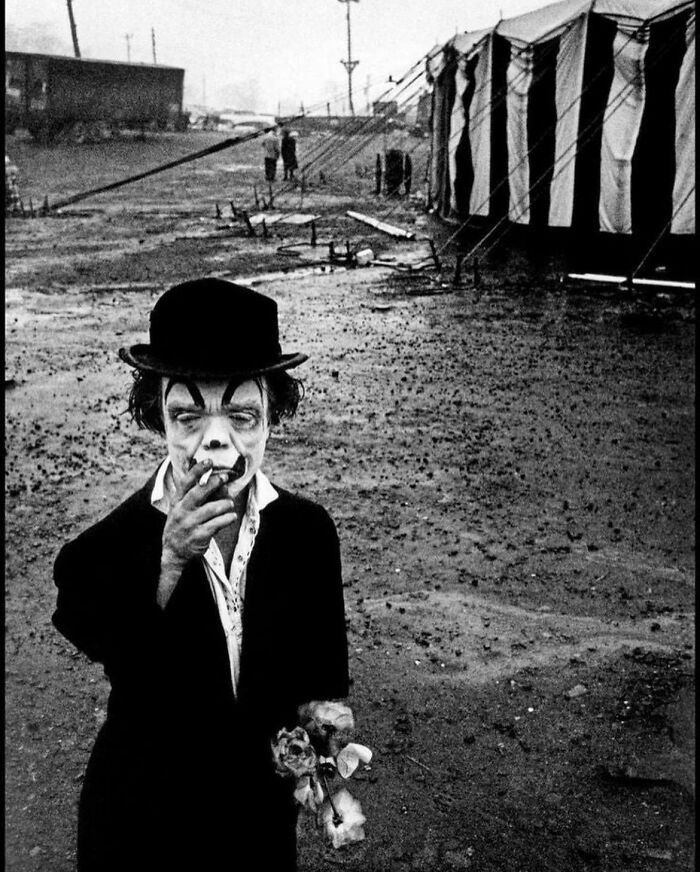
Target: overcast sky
(265, 52)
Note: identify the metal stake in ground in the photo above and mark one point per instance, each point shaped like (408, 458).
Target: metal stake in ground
(438, 265)
(458, 270)
(249, 226)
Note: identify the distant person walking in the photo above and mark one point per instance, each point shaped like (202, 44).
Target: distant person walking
(271, 148)
(289, 154)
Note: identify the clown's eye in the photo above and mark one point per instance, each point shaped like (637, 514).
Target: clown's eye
(243, 419)
(185, 417)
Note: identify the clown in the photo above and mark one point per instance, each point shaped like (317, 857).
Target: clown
(192, 594)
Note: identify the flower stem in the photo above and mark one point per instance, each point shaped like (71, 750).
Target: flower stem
(337, 819)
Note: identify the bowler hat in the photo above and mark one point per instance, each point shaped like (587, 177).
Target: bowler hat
(212, 328)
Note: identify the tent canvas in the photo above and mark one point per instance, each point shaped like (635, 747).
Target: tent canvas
(580, 114)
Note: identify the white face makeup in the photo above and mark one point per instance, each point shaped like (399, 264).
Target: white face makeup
(206, 419)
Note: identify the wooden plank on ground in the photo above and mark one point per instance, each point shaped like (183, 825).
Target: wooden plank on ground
(381, 225)
(267, 217)
(621, 280)
(297, 218)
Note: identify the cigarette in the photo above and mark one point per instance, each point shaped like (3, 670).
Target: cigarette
(205, 477)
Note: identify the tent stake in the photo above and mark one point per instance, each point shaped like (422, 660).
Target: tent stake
(438, 265)
(313, 234)
(458, 270)
(255, 196)
(264, 229)
(218, 211)
(249, 226)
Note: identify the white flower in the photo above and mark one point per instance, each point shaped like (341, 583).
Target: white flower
(347, 826)
(329, 724)
(293, 753)
(309, 793)
(350, 758)
(327, 713)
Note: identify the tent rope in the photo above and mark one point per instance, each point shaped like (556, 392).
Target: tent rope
(663, 232)
(212, 149)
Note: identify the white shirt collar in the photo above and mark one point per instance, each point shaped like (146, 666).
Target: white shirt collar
(262, 492)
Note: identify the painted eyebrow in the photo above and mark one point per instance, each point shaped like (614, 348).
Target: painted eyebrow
(191, 387)
(231, 389)
(229, 392)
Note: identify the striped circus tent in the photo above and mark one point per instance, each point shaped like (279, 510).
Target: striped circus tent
(580, 114)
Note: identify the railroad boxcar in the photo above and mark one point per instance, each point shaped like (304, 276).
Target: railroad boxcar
(47, 94)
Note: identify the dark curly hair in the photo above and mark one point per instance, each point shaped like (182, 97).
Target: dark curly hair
(284, 393)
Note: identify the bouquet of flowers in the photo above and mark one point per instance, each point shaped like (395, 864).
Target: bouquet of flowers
(314, 753)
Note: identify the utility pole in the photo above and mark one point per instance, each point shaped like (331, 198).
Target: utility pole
(349, 64)
(73, 30)
(153, 44)
(128, 36)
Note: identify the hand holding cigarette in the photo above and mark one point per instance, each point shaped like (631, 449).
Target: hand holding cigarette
(196, 515)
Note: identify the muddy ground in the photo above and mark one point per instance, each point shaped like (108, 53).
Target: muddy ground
(511, 469)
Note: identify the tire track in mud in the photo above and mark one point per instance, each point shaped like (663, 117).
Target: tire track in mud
(455, 636)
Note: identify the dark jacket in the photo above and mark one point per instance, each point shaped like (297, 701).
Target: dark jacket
(181, 773)
(289, 152)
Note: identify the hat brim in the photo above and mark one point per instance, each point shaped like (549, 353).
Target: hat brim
(141, 357)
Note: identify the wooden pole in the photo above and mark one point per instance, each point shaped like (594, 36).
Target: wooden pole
(349, 64)
(73, 29)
